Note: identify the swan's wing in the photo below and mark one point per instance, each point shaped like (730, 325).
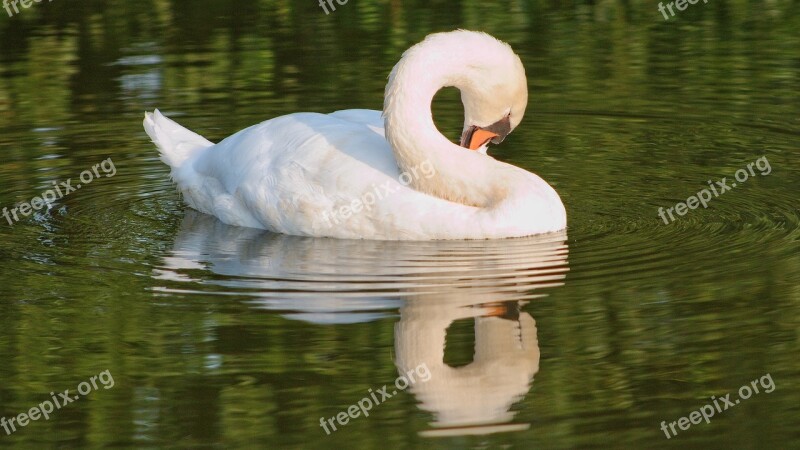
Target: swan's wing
(369, 118)
(315, 175)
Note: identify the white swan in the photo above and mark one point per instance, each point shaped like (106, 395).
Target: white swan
(362, 175)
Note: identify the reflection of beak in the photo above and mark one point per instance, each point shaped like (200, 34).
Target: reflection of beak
(475, 137)
(508, 310)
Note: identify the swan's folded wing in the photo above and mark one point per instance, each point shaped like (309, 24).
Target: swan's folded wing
(316, 175)
(370, 118)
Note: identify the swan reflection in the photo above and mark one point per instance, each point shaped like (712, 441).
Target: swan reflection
(433, 284)
(477, 397)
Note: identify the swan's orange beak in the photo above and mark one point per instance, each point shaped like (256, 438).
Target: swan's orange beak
(475, 138)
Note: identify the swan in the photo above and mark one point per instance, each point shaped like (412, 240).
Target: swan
(363, 174)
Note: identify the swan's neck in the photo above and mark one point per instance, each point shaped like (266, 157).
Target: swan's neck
(461, 175)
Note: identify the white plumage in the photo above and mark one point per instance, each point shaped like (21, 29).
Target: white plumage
(363, 175)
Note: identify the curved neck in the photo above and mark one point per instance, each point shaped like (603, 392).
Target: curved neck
(461, 175)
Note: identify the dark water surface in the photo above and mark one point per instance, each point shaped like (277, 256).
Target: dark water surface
(221, 337)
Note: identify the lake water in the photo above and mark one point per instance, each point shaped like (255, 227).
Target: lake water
(224, 337)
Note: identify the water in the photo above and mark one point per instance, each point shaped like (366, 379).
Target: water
(233, 338)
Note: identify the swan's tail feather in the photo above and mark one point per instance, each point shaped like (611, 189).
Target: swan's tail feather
(175, 143)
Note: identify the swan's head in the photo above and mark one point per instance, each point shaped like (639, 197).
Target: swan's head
(494, 90)
(488, 73)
